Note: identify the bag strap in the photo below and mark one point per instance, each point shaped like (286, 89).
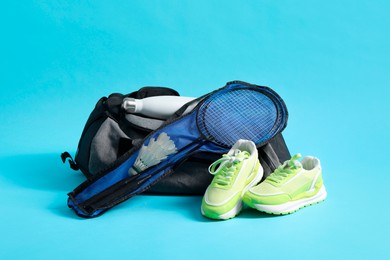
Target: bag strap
(73, 165)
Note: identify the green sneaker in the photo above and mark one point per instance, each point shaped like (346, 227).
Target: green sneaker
(290, 187)
(235, 173)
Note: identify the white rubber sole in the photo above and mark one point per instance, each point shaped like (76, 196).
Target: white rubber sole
(292, 206)
(237, 208)
(230, 214)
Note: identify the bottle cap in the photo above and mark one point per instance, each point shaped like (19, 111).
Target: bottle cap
(129, 105)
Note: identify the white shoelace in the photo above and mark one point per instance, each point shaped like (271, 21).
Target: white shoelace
(224, 168)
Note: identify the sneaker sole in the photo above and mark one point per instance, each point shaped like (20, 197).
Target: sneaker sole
(237, 208)
(292, 206)
(228, 215)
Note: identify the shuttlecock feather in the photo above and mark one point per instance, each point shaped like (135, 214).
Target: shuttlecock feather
(153, 153)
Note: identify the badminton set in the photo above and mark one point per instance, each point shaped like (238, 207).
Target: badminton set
(173, 131)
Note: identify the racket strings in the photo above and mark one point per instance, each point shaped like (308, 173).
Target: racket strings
(239, 114)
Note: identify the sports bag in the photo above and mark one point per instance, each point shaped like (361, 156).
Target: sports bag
(109, 135)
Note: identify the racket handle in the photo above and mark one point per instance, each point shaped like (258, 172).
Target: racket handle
(161, 107)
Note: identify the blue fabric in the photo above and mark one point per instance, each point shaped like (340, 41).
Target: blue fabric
(182, 132)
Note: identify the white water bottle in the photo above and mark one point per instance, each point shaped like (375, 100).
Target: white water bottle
(161, 107)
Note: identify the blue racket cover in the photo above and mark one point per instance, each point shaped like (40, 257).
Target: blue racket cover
(237, 111)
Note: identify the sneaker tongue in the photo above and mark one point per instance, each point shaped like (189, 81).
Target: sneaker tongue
(241, 154)
(294, 161)
(293, 164)
(297, 164)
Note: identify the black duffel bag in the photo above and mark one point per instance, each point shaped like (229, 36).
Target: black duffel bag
(109, 133)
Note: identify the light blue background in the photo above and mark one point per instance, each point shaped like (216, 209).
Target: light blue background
(329, 60)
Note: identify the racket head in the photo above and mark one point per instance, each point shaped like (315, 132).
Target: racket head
(241, 111)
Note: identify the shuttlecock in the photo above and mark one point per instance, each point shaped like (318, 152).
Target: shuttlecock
(153, 153)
